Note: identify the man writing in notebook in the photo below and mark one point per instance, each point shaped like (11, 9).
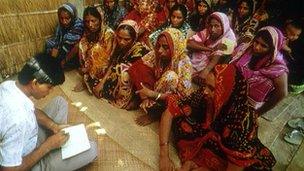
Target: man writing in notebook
(31, 138)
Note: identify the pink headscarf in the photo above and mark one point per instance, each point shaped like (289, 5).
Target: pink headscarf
(201, 59)
(260, 80)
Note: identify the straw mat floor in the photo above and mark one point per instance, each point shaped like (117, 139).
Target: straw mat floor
(126, 146)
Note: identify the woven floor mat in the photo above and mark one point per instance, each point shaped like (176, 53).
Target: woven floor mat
(140, 142)
(111, 155)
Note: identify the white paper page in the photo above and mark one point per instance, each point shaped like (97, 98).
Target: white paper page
(230, 46)
(77, 143)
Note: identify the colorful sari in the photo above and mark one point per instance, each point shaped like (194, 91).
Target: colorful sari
(247, 26)
(65, 39)
(176, 78)
(115, 16)
(214, 130)
(94, 56)
(147, 16)
(117, 86)
(184, 28)
(201, 59)
(260, 79)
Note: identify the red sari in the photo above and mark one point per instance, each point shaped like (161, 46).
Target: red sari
(148, 20)
(212, 131)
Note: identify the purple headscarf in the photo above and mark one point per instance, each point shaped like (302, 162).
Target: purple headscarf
(260, 80)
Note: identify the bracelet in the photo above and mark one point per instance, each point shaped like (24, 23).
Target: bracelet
(158, 96)
(163, 144)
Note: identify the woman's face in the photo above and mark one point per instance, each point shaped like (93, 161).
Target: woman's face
(110, 4)
(222, 2)
(202, 8)
(64, 19)
(92, 23)
(292, 33)
(170, 3)
(177, 18)
(124, 39)
(215, 29)
(260, 47)
(243, 9)
(163, 48)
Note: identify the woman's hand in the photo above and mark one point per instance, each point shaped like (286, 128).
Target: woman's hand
(203, 74)
(97, 89)
(54, 52)
(146, 92)
(221, 47)
(146, 104)
(165, 164)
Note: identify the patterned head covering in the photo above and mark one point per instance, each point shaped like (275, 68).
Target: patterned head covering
(223, 19)
(70, 8)
(177, 45)
(277, 40)
(131, 23)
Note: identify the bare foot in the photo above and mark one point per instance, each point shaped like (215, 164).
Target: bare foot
(187, 166)
(79, 87)
(144, 120)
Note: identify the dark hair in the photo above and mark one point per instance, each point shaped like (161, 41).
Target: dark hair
(266, 36)
(43, 68)
(197, 2)
(130, 29)
(297, 23)
(179, 7)
(92, 11)
(250, 4)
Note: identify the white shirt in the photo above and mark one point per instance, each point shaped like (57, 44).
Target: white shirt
(18, 125)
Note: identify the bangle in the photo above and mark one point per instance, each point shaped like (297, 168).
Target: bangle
(163, 144)
(158, 96)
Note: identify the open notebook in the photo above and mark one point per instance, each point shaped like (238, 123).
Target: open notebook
(77, 143)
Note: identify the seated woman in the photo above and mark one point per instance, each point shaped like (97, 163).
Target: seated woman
(243, 23)
(209, 45)
(68, 33)
(208, 127)
(177, 19)
(165, 70)
(114, 13)
(197, 19)
(95, 49)
(116, 85)
(216, 128)
(264, 68)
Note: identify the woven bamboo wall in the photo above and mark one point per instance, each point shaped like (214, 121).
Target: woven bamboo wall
(24, 27)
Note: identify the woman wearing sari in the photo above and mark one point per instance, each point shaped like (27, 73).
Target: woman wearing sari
(68, 33)
(197, 19)
(114, 13)
(177, 19)
(243, 23)
(116, 85)
(165, 70)
(95, 49)
(148, 17)
(266, 73)
(210, 44)
(216, 127)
